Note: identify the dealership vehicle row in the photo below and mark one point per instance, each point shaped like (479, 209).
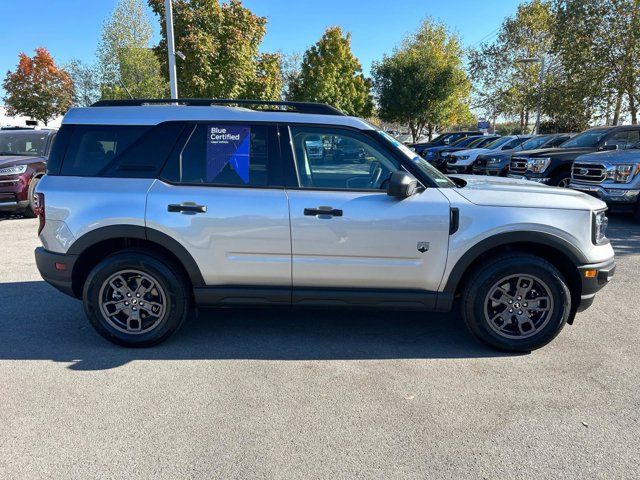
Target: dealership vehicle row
(602, 161)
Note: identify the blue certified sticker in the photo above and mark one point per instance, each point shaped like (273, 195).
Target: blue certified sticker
(228, 144)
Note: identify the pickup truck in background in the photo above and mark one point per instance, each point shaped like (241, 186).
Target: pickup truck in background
(612, 176)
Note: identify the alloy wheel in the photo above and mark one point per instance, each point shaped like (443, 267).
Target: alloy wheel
(518, 306)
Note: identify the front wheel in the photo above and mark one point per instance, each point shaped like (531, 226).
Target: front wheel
(561, 180)
(29, 211)
(516, 303)
(134, 299)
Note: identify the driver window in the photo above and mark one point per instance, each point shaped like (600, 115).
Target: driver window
(621, 139)
(335, 159)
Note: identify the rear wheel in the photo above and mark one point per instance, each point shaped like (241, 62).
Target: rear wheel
(516, 303)
(636, 212)
(135, 300)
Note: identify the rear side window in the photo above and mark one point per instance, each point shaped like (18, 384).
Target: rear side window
(222, 154)
(129, 151)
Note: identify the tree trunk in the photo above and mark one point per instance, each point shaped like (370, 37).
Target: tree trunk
(616, 113)
(414, 131)
(430, 129)
(526, 122)
(521, 120)
(633, 109)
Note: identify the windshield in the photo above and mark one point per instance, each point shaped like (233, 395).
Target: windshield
(534, 143)
(424, 166)
(31, 144)
(588, 139)
(463, 142)
(497, 143)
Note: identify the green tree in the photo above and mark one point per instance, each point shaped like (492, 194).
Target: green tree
(86, 82)
(330, 73)
(423, 83)
(38, 88)
(599, 46)
(127, 65)
(268, 82)
(504, 85)
(220, 42)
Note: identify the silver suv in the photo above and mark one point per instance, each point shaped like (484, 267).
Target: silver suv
(151, 207)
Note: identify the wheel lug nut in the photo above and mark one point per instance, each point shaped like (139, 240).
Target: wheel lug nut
(511, 310)
(126, 303)
(519, 312)
(128, 294)
(525, 304)
(134, 309)
(138, 295)
(510, 301)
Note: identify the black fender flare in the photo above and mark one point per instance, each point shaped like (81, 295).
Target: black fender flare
(143, 233)
(507, 238)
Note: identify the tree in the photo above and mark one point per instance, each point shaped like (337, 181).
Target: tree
(86, 82)
(126, 62)
(423, 83)
(220, 42)
(599, 46)
(503, 83)
(330, 73)
(38, 88)
(268, 82)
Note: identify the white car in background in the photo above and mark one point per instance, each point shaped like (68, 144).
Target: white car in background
(462, 161)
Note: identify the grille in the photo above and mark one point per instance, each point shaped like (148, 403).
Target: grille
(589, 172)
(518, 165)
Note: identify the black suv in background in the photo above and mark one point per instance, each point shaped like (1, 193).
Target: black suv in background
(497, 163)
(435, 155)
(552, 166)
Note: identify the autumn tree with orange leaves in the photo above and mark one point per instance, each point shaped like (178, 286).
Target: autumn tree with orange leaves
(38, 88)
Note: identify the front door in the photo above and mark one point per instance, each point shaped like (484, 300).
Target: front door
(346, 232)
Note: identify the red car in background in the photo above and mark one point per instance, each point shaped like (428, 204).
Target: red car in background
(23, 160)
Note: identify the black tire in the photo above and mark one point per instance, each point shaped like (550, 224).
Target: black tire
(29, 211)
(171, 291)
(636, 212)
(560, 180)
(476, 303)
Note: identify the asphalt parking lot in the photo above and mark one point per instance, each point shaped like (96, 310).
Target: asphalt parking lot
(314, 394)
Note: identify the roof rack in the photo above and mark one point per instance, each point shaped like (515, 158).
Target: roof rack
(298, 107)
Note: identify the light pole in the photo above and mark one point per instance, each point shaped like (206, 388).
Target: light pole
(540, 83)
(173, 80)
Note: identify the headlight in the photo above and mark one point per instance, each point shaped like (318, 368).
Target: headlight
(623, 173)
(430, 154)
(463, 157)
(493, 160)
(14, 170)
(538, 165)
(600, 223)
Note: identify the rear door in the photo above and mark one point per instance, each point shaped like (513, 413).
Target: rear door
(221, 196)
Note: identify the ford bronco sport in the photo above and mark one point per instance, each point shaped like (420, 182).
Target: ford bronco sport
(149, 207)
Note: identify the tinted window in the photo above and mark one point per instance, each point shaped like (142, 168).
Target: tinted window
(31, 144)
(92, 148)
(534, 143)
(634, 139)
(336, 159)
(223, 154)
(463, 142)
(588, 139)
(559, 140)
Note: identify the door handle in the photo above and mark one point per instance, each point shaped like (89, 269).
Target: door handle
(186, 207)
(323, 211)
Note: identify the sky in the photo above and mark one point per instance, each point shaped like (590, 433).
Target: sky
(71, 28)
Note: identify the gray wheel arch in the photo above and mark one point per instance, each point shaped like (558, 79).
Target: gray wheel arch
(505, 240)
(115, 232)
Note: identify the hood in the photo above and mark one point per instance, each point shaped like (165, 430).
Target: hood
(8, 161)
(612, 156)
(554, 152)
(509, 192)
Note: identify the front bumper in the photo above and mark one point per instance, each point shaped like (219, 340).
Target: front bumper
(14, 193)
(608, 195)
(543, 180)
(56, 269)
(594, 278)
(453, 168)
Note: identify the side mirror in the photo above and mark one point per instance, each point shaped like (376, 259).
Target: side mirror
(610, 147)
(402, 185)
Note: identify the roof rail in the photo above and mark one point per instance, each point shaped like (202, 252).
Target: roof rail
(298, 107)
